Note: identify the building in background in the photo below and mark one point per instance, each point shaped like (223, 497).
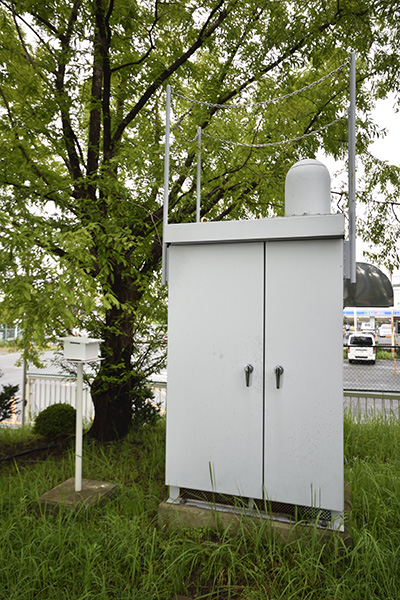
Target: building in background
(8, 333)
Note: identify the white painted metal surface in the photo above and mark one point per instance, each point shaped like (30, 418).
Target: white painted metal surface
(304, 418)
(78, 428)
(352, 169)
(278, 228)
(258, 303)
(81, 348)
(214, 422)
(308, 189)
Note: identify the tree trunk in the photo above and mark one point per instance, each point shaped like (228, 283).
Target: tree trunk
(112, 389)
(112, 399)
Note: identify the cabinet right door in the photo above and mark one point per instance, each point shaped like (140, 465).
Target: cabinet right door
(303, 445)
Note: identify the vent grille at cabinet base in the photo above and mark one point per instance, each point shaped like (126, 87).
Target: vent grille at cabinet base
(293, 512)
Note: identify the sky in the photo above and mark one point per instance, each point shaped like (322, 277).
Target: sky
(386, 148)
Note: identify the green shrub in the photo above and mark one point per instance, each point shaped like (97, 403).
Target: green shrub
(145, 411)
(55, 420)
(384, 354)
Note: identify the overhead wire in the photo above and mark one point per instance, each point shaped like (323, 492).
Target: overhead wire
(193, 101)
(265, 102)
(267, 144)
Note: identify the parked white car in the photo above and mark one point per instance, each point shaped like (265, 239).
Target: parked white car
(385, 330)
(361, 347)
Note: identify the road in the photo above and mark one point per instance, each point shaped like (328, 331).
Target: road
(12, 375)
(381, 376)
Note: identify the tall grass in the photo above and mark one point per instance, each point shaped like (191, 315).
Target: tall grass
(116, 551)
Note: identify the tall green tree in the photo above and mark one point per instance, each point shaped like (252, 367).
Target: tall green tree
(82, 96)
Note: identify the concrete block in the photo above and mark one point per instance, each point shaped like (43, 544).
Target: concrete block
(217, 518)
(64, 494)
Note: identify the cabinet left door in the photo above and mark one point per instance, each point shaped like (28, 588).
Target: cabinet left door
(215, 329)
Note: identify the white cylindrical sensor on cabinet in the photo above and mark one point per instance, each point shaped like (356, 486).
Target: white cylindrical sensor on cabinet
(308, 189)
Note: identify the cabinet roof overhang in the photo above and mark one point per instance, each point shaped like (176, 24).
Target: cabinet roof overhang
(307, 227)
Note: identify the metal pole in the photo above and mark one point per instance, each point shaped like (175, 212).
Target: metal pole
(352, 168)
(23, 399)
(198, 182)
(78, 433)
(166, 185)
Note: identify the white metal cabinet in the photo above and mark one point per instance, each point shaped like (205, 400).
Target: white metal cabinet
(264, 293)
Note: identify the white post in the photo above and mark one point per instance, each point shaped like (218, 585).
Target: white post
(352, 168)
(198, 181)
(166, 185)
(78, 433)
(28, 396)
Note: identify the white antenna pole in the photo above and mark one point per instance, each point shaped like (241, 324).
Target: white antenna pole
(352, 168)
(198, 181)
(78, 434)
(166, 185)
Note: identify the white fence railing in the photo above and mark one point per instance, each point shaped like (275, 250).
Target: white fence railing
(363, 404)
(44, 390)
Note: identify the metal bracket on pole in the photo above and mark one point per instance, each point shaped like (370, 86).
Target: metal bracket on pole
(166, 187)
(198, 181)
(352, 168)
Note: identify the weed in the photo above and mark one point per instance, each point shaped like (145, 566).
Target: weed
(116, 551)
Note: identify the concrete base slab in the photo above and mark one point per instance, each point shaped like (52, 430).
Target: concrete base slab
(185, 514)
(64, 494)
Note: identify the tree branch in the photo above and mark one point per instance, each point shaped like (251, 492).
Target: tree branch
(46, 23)
(96, 94)
(147, 53)
(106, 34)
(66, 37)
(48, 195)
(27, 25)
(20, 146)
(207, 30)
(223, 99)
(21, 39)
(71, 141)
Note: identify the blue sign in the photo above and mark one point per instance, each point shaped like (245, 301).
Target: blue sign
(376, 312)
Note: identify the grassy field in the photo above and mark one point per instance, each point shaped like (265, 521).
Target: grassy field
(117, 551)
